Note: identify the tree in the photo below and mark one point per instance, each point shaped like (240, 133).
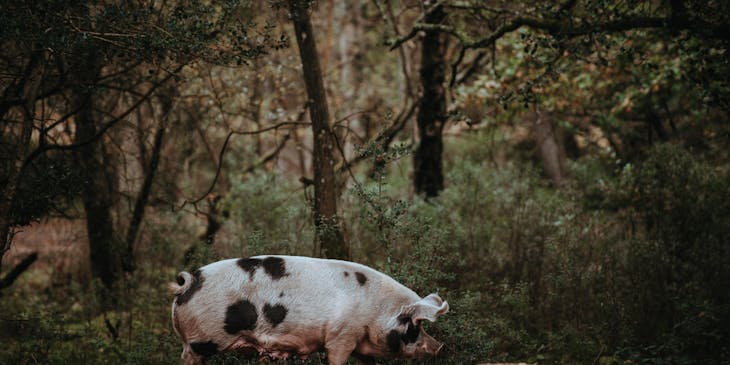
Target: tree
(548, 148)
(91, 67)
(98, 172)
(428, 177)
(327, 223)
(559, 41)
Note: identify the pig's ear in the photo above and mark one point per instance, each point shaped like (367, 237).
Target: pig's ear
(428, 308)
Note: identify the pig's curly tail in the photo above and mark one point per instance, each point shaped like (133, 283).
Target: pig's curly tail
(184, 281)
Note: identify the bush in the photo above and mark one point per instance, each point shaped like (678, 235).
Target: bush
(679, 263)
(626, 263)
(267, 214)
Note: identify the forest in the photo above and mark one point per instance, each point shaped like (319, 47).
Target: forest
(557, 170)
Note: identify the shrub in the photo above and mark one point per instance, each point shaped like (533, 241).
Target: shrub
(678, 264)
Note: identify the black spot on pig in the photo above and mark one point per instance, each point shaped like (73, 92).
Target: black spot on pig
(346, 273)
(197, 283)
(275, 267)
(281, 295)
(274, 314)
(249, 265)
(361, 278)
(240, 316)
(205, 349)
(180, 280)
(393, 340)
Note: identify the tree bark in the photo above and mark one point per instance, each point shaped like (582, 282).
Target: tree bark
(105, 251)
(26, 89)
(428, 176)
(548, 148)
(327, 224)
(15, 273)
(349, 50)
(350, 56)
(144, 194)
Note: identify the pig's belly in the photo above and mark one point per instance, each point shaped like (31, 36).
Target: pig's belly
(281, 346)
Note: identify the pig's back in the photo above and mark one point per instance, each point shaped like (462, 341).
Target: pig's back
(316, 290)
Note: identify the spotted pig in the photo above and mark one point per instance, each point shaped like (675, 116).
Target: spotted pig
(280, 306)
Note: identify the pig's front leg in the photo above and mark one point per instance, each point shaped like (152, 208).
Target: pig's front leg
(339, 350)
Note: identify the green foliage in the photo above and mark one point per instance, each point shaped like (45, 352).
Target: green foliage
(627, 263)
(683, 256)
(137, 31)
(531, 273)
(269, 215)
(51, 184)
(64, 325)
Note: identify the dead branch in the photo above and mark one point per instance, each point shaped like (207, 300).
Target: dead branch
(20, 268)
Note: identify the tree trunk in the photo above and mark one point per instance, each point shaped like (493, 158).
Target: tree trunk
(350, 52)
(427, 175)
(27, 89)
(327, 224)
(144, 194)
(350, 56)
(105, 251)
(548, 148)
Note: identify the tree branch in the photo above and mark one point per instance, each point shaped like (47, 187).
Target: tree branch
(385, 138)
(269, 156)
(565, 29)
(44, 148)
(223, 150)
(400, 40)
(142, 198)
(13, 275)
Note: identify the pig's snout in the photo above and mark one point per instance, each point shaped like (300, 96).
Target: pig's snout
(432, 349)
(430, 346)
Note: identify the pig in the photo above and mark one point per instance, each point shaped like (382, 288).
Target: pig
(281, 306)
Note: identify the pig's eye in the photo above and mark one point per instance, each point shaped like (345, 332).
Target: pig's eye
(405, 319)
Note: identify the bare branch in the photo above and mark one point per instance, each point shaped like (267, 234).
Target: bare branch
(414, 30)
(566, 29)
(43, 148)
(225, 145)
(385, 138)
(269, 156)
(13, 275)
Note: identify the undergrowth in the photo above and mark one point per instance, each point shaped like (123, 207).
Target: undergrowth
(625, 264)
